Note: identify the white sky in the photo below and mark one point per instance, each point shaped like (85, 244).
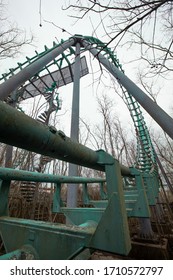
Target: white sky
(26, 14)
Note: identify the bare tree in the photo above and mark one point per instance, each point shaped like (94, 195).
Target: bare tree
(109, 134)
(164, 148)
(147, 24)
(11, 37)
(113, 135)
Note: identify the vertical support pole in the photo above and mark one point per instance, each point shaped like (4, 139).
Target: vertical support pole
(4, 191)
(9, 149)
(145, 223)
(8, 156)
(103, 195)
(57, 199)
(85, 194)
(73, 169)
(150, 188)
(145, 228)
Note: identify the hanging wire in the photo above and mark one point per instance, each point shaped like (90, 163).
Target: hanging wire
(61, 28)
(40, 12)
(40, 24)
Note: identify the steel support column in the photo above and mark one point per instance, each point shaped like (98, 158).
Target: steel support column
(9, 148)
(154, 110)
(73, 169)
(4, 192)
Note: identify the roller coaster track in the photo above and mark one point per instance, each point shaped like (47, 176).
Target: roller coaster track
(104, 226)
(145, 157)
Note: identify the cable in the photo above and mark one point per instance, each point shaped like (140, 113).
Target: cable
(40, 12)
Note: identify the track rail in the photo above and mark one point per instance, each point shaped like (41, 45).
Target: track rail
(145, 155)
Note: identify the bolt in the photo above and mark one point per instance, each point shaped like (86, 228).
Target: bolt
(62, 134)
(53, 129)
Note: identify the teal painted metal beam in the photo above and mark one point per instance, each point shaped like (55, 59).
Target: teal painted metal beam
(50, 241)
(22, 175)
(22, 131)
(154, 110)
(25, 74)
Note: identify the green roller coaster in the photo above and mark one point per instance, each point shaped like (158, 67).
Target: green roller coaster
(100, 224)
(145, 152)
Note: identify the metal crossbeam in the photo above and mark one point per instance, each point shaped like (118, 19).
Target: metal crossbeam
(22, 175)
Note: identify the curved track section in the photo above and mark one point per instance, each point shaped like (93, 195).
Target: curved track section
(145, 158)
